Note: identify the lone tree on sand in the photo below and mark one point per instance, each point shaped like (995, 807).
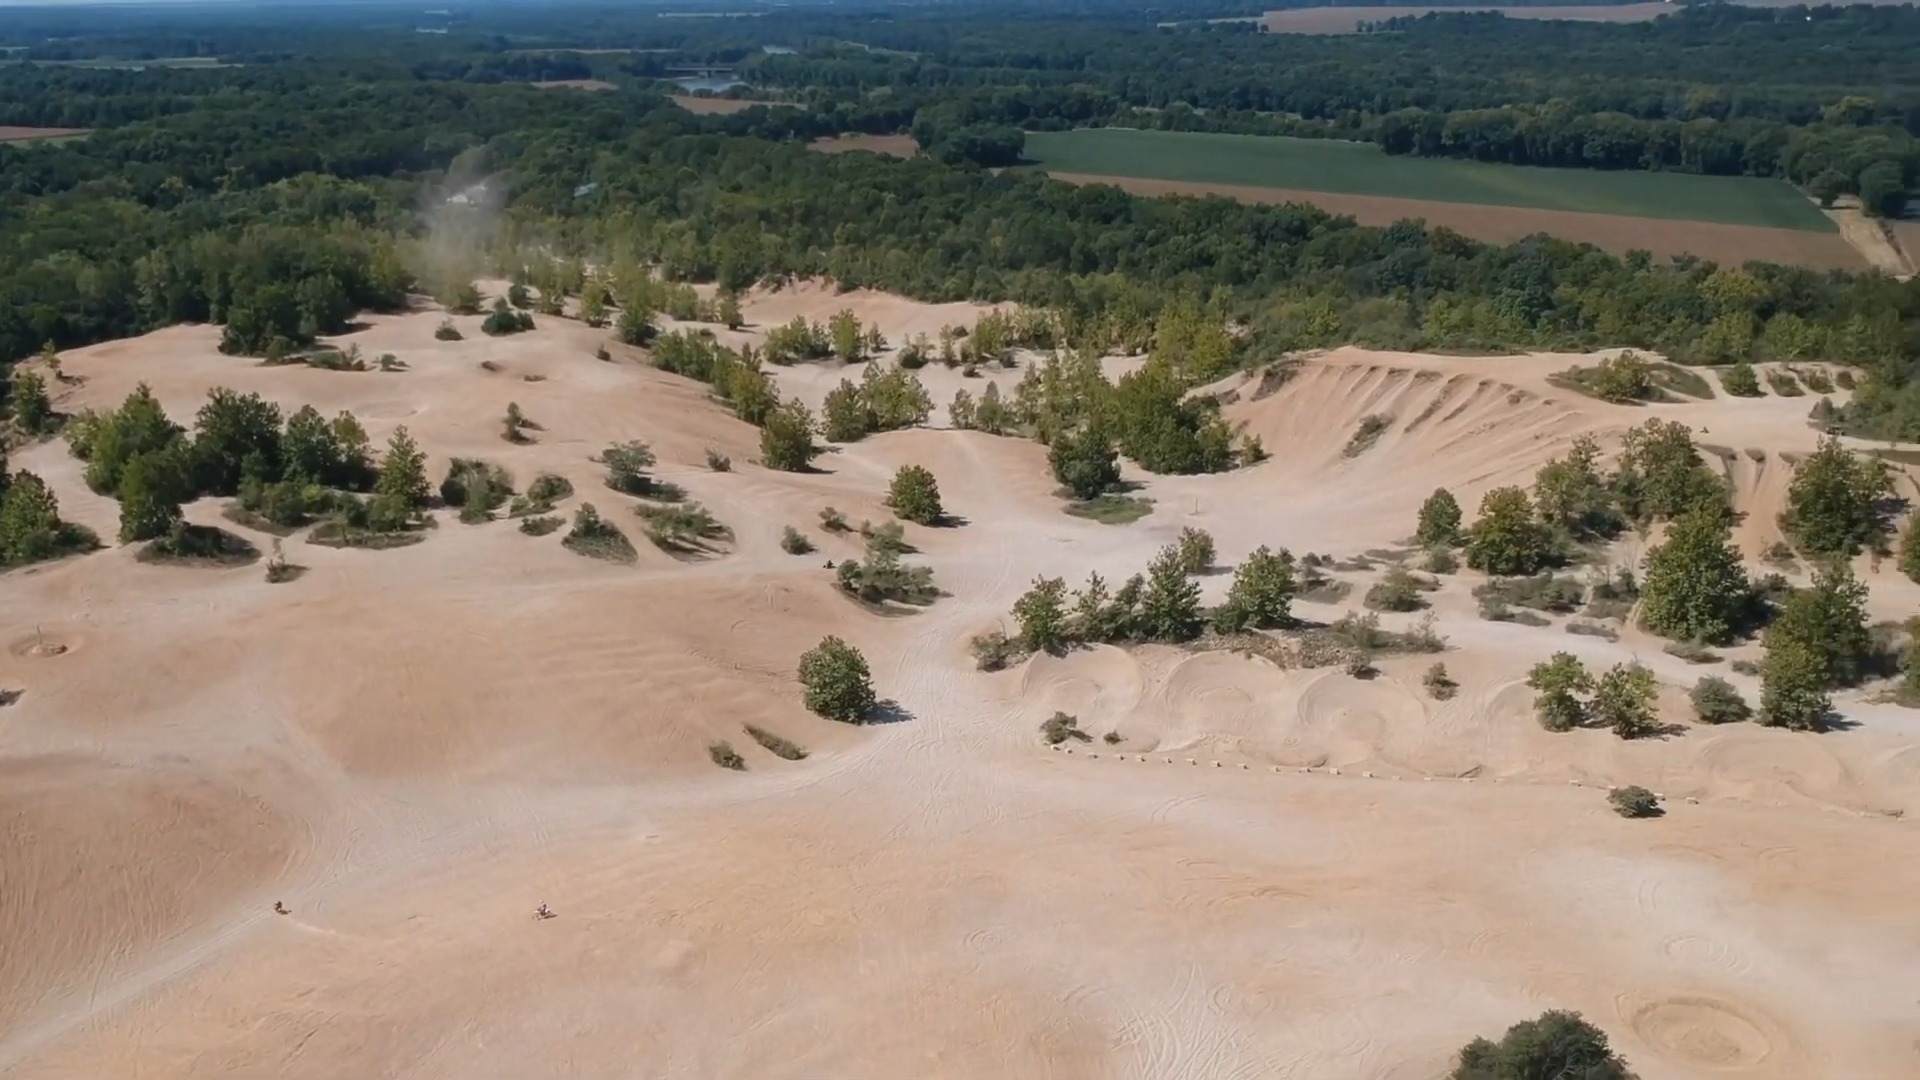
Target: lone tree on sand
(1559, 681)
(1556, 1046)
(1439, 520)
(838, 684)
(1696, 589)
(915, 496)
(1508, 540)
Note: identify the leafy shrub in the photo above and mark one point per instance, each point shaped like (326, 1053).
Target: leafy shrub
(795, 542)
(1440, 686)
(546, 490)
(782, 748)
(1398, 591)
(837, 683)
(1060, 727)
(915, 496)
(1368, 433)
(1782, 382)
(1112, 509)
(541, 526)
(834, 521)
(725, 756)
(1195, 550)
(719, 462)
(1544, 592)
(1623, 701)
(1622, 379)
(1741, 380)
(504, 320)
(881, 577)
(688, 528)
(1439, 526)
(1816, 380)
(1693, 652)
(1634, 802)
(199, 544)
(594, 537)
(1716, 701)
(1560, 681)
(993, 650)
(1593, 629)
(446, 331)
(1555, 1045)
(475, 487)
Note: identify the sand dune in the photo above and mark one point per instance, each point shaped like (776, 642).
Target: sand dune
(414, 748)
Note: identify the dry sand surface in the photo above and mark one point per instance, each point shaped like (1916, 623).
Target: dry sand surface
(414, 748)
(1729, 244)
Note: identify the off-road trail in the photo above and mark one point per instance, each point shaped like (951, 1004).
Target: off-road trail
(1263, 872)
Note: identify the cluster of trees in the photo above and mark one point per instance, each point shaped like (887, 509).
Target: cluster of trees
(1160, 605)
(31, 529)
(883, 400)
(1569, 697)
(287, 472)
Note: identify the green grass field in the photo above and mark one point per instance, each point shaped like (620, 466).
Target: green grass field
(1350, 168)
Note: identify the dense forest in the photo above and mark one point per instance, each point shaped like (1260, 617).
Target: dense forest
(277, 198)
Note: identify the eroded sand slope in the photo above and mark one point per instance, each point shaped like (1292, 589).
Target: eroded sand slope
(414, 748)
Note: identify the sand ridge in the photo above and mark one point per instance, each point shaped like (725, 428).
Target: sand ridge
(414, 748)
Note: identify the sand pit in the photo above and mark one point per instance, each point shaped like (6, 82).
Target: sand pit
(414, 749)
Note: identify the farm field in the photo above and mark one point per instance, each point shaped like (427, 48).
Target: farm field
(711, 106)
(900, 146)
(10, 134)
(1345, 20)
(1728, 244)
(1348, 168)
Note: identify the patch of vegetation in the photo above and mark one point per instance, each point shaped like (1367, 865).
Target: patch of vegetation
(596, 538)
(627, 472)
(503, 320)
(1440, 686)
(785, 749)
(888, 400)
(1439, 527)
(795, 542)
(1112, 508)
(446, 331)
(1061, 727)
(684, 529)
(476, 488)
(1592, 629)
(725, 756)
(515, 425)
(1194, 550)
(1634, 802)
(718, 462)
(1543, 592)
(1815, 380)
(1509, 539)
(834, 521)
(914, 496)
(1741, 380)
(1782, 382)
(1680, 381)
(1692, 652)
(1623, 379)
(882, 578)
(837, 682)
(1560, 682)
(1715, 701)
(199, 545)
(1399, 591)
(994, 650)
(542, 525)
(546, 490)
(1369, 432)
(1838, 502)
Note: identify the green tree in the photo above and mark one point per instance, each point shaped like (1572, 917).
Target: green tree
(837, 683)
(1834, 502)
(1695, 587)
(310, 451)
(1556, 1046)
(786, 440)
(635, 325)
(1170, 606)
(961, 414)
(1559, 682)
(593, 303)
(235, 434)
(1623, 701)
(32, 408)
(138, 427)
(1661, 474)
(151, 488)
(1828, 185)
(30, 525)
(627, 465)
(1507, 541)
(1261, 597)
(1883, 189)
(1572, 495)
(1740, 380)
(1716, 701)
(1196, 550)
(843, 414)
(1042, 615)
(402, 482)
(728, 311)
(914, 496)
(1085, 462)
(844, 329)
(1793, 687)
(1439, 520)
(1830, 619)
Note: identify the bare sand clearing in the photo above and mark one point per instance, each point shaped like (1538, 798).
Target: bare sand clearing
(414, 748)
(712, 106)
(1619, 233)
(11, 133)
(900, 146)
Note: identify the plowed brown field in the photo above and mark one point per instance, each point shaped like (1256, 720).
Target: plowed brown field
(1733, 244)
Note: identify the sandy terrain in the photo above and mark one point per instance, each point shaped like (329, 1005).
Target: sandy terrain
(1730, 244)
(1345, 20)
(1872, 238)
(414, 748)
(901, 146)
(35, 134)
